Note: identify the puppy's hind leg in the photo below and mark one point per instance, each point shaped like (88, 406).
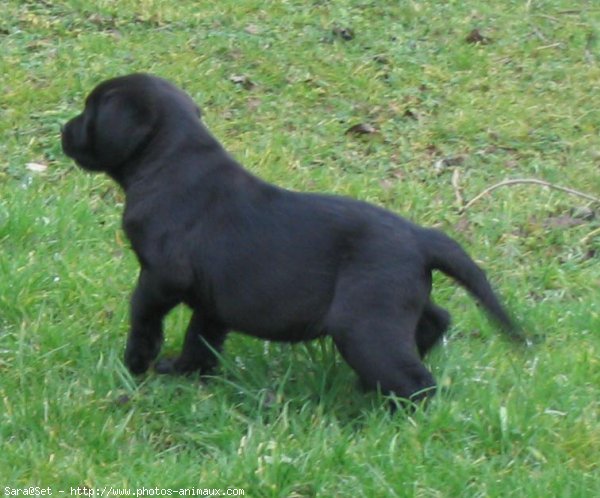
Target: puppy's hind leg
(202, 339)
(434, 321)
(384, 359)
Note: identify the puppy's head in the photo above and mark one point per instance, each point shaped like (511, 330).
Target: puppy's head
(121, 118)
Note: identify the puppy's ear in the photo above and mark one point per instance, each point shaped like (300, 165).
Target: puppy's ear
(122, 124)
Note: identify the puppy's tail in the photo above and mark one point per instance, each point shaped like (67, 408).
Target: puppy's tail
(445, 254)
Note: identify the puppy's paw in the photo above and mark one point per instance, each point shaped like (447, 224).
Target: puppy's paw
(136, 363)
(140, 352)
(175, 366)
(136, 360)
(166, 366)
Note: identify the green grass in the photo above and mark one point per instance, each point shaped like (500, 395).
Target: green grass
(290, 421)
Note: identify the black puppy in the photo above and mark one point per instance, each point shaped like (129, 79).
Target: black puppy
(249, 256)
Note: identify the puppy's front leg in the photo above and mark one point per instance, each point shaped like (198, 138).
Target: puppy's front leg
(149, 305)
(203, 341)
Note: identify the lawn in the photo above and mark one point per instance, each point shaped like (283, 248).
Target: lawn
(417, 106)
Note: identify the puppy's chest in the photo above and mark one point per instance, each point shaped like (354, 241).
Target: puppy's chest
(161, 252)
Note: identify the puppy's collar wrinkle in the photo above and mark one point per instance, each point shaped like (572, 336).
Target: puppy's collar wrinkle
(141, 167)
(125, 172)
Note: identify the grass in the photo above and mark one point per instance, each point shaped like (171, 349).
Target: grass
(284, 420)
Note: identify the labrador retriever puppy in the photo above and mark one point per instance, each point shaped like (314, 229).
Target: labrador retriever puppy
(249, 256)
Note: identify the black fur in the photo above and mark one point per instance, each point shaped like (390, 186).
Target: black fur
(249, 256)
